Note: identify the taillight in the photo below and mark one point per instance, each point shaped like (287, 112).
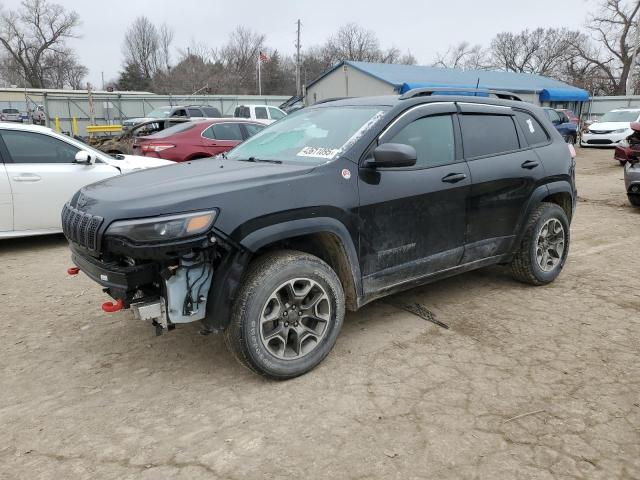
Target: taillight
(156, 147)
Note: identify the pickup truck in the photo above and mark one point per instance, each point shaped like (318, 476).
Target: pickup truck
(259, 112)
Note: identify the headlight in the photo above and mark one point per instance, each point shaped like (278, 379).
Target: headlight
(620, 130)
(163, 228)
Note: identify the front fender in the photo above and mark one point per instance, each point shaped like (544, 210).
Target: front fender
(228, 276)
(305, 226)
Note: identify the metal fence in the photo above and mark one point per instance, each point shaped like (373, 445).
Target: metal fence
(113, 108)
(598, 106)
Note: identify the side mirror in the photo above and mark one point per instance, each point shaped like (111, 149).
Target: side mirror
(83, 158)
(390, 155)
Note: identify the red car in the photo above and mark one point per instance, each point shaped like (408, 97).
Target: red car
(570, 115)
(197, 139)
(632, 148)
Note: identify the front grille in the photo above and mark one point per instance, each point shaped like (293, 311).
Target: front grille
(599, 141)
(81, 227)
(600, 132)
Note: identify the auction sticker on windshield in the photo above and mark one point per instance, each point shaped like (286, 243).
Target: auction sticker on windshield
(318, 152)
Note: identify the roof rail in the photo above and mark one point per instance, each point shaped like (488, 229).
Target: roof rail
(428, 91)
(332, 99)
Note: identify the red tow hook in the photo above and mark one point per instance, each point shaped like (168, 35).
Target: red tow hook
(111, 307)
(73, 271)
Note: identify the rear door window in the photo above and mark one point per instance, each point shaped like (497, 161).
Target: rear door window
(211, 112)
(226, 131)
(553, 116)
(533, 131)
(484, 134)
(194, 112)
(261, 113)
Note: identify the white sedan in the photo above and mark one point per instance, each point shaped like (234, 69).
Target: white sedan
(41, 169)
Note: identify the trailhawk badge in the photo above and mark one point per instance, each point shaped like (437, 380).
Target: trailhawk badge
(346, 173)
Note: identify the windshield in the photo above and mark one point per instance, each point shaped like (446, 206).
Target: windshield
(311, 136)
(159, 112)
(620, 116)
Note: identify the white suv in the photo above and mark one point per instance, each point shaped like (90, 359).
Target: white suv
(41, 169)
(611, 130)
(266, 113)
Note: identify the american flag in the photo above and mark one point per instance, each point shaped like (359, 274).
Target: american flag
(263, 57)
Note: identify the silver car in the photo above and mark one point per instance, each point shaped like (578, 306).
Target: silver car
(632, 181)
(10, 115)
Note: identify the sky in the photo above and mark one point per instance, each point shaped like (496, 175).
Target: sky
(422, 27)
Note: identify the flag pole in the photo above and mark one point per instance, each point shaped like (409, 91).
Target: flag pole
(259, 78)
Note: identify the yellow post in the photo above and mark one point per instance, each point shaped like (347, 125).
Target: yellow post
(57, 124)
(75, 126)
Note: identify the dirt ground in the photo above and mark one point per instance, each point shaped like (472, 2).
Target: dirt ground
(528, 383)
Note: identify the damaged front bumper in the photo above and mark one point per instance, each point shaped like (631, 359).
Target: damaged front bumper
(167, 293)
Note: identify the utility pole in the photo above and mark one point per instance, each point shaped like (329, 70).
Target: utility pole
(298, 76)
(102, 73)
(631, 80)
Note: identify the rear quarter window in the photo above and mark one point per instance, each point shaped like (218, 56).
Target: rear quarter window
(533, 132)
(488, 134)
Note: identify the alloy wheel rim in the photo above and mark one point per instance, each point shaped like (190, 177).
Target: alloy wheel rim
(550, 245)
(295, 318)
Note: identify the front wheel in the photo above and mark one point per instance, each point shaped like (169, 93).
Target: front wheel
(634, 200)
(544, 247)
(287, 315)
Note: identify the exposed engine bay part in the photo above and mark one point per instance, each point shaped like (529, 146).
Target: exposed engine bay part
(187, 289)
(151, 309)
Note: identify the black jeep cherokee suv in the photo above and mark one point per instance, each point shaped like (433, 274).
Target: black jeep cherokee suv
(330, 208)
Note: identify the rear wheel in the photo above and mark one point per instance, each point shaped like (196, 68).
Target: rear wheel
(544, 247)
(287, 315)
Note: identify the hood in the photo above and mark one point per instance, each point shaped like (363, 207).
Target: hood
(609, 125)
(183, 187)
(131, 163)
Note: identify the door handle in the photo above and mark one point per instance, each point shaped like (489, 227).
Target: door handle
(27, 177)
(529, 164)
(454, 177)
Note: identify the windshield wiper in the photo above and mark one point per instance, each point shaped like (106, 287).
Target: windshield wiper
(264, 160)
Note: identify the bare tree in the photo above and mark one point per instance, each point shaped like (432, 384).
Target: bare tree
(612, 28)
(239, 57)
(352, 42)
(147, 46)
(61, 69)
(541, 51)
(36, 31)
(464, 56)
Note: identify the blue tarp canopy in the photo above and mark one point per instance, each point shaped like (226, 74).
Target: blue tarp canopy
(564, 95)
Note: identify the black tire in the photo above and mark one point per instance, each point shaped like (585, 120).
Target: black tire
(525, 266)
(265, 277)
(634, 200)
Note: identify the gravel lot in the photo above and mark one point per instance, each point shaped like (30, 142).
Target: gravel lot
(528, 383)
